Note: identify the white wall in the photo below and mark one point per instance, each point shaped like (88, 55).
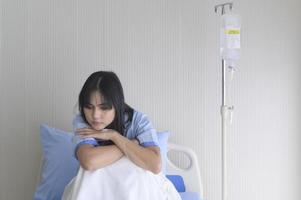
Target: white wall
(166, 55)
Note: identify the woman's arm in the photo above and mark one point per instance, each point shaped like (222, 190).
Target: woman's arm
(92, 158)
(146, 157)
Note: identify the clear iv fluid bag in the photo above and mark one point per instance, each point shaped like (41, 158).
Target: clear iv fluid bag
(230, 37)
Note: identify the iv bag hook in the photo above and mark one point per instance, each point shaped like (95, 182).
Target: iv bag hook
(223, 6)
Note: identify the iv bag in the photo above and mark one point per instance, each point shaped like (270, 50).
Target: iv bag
(230, 37)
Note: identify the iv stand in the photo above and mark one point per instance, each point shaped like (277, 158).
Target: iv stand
(225, 111)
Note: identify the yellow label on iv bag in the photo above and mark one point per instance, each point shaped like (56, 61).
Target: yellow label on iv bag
(232, 31)
(232, 38)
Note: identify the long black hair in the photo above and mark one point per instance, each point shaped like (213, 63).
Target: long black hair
(109, 86)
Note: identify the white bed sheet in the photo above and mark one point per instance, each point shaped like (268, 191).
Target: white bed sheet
(121, 180)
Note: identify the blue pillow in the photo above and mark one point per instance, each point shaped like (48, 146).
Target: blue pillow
(177, 181)
(60, 165)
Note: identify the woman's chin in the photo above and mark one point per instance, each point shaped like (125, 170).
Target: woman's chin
(98, 128)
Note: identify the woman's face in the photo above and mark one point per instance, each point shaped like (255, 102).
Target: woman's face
(98, 114)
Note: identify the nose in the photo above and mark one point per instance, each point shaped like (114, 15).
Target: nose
(97, 114)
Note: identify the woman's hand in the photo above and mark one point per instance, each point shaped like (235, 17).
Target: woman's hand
(104, 134)
(135, 141)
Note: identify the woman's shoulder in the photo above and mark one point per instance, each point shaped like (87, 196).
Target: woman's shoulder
(137, 115)
(140, 118)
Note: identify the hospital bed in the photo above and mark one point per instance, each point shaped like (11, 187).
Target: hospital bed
(58, 166)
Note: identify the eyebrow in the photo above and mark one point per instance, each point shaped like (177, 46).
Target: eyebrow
(102, 104)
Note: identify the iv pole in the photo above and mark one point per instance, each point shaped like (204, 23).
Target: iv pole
(225, 111)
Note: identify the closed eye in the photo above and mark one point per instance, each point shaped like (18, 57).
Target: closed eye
(100, 106)
(88, 107)
(105, 107)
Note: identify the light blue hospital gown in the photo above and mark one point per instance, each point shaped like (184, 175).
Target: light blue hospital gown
(139, 128)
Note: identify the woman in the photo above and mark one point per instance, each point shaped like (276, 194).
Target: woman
(107, 130)
(102, 108)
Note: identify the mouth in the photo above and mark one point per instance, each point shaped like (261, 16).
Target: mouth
(97, 123)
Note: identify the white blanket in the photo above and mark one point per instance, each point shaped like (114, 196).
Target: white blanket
(122, 180)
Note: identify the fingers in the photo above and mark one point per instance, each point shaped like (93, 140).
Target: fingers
(84, 132)
(135, 141)
(79, 130)
(87, 134)
(91, 133)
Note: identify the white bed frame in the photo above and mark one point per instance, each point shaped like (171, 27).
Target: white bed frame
(191, 174)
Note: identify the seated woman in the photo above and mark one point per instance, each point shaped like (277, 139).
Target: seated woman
(108, 129)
